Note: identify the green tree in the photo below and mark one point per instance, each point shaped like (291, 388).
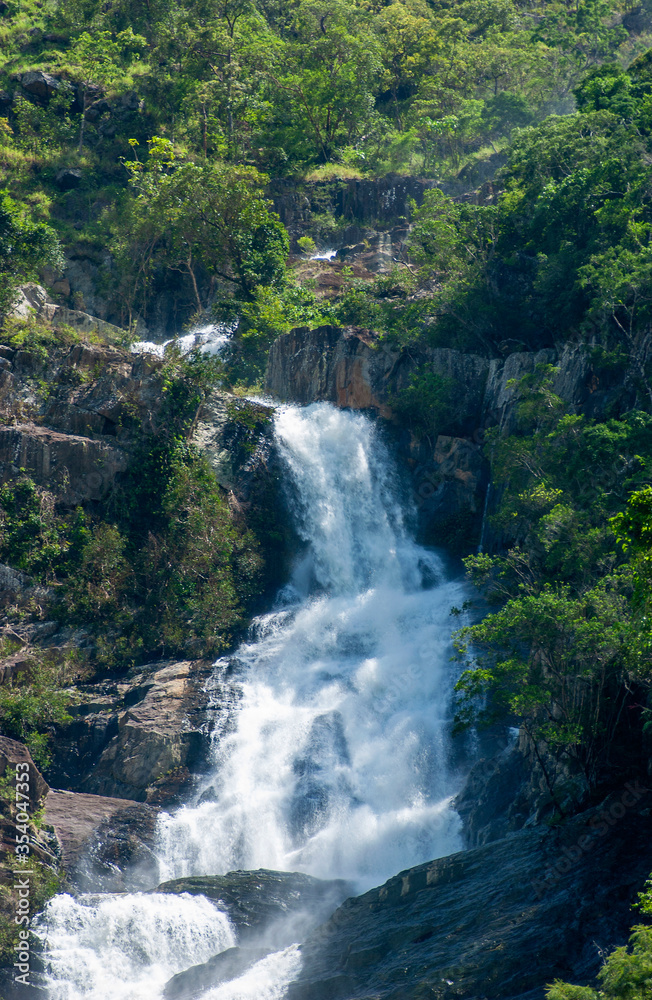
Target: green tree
(627, 971)
(327, 70)
(25, 246)
(98, 57)
(189, 216)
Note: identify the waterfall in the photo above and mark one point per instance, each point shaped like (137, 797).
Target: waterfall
(485, 511)
(337, 761)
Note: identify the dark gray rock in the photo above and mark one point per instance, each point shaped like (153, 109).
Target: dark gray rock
(221, 968)
(39, 84)
(495, 923)
(97, 109)
(509, 791)
(267, 908)
(381, 201)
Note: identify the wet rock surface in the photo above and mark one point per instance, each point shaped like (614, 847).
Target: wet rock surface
(266, 907)
(220, 969)
(162, 734)
(494, 923)
(101, 838)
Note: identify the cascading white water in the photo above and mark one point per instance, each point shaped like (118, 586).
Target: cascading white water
(338, 764)
(337, 760)
(126, 947)
(209, 339)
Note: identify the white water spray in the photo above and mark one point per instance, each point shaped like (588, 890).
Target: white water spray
(337, 763)
(210, 339)
(126, 947)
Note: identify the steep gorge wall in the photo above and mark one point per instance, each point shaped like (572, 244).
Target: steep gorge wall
(450, 472)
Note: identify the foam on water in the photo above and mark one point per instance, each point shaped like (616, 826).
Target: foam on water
(126, 947)
(210, 338)
(266, 980)
(338, 763)
(337, 759)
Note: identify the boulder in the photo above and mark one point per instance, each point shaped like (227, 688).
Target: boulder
(12, 667)
(96, 110)
(222, 968)
(161, 734)
(236, 436)
(83, 322)
(82, 467)
(266, 907)
(40, 84)
(31, 300)
(495, 923)
(102, 837)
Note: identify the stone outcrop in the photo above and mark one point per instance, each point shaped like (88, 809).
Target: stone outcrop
(509, 791)
(493, 923)
(39, 84)
(228, 965)
(82, 468)
(155, 736)
(236, 436)
(13, 757)
(266, 907)
(34, 300)
(352, 368)
(450, 483)
(13, 753)
(99, 837)
(379, 201)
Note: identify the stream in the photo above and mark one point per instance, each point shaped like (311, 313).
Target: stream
(337, 762)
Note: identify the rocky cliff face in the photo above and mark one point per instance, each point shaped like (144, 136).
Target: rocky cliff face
(352, 368)
(493, 923)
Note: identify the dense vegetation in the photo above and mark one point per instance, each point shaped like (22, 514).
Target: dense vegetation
(212, 97)
(156, 141)
(568, 651)
(160, 567)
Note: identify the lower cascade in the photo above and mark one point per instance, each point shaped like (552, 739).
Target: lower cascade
(336, 761)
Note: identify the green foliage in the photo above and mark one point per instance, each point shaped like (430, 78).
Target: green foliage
(565, 251)
(228, 92)
(626, 973)
(169, 570)
(557, 664)
(570, 641)
(200, 569)
(34, 702)
(426, 403)
(24, 247)
(193, 217)
(33, 536)
(261, 318)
